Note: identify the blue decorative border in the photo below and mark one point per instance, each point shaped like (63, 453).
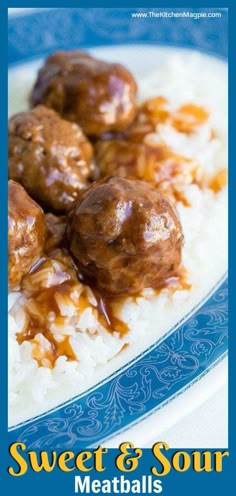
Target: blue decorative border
(195, 346)
(29, 36)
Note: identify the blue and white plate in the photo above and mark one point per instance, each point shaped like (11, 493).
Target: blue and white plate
(187, 364)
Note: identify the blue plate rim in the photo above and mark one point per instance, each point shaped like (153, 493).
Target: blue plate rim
(131, 362)
(84, 405)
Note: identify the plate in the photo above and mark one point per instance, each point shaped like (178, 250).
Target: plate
(188, 361)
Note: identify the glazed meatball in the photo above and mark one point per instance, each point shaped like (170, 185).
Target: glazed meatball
(49, 156)
(99, 96)
(124, 236)
(26, 233)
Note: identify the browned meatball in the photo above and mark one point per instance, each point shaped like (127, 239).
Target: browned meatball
(49, 156)
(124, 235)
(26, 233)
(98, 95)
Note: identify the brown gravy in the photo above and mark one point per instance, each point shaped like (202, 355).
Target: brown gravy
(107, 317)
(218, 181)
(154, 111)
(42, 308)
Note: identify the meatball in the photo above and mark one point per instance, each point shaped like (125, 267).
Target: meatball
(26, 233)
(49, 156)
(124, 236)
(98, 95)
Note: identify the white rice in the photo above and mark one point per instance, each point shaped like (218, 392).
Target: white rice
(34, 389)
